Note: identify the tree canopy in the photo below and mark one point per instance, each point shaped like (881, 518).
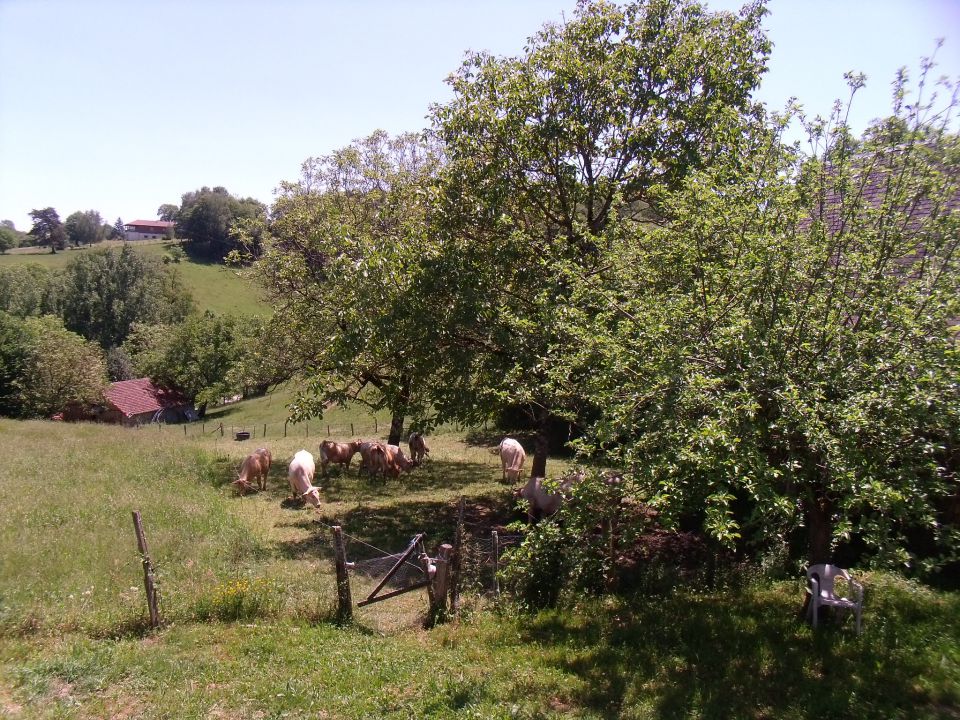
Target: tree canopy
(84, 228)
(48, 230)
(106, 292)
(598, 118)
(339, 257)
(207, 217)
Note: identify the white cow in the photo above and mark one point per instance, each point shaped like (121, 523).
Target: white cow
(300, 477)
(541, 503)
(511, 457)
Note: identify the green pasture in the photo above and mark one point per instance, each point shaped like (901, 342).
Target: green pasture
(248, 598)
(214, 287)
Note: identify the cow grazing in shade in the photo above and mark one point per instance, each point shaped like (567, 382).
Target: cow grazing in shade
(540, 501)
(300, 477)
(418, 447)
(255, 469)
(384, 460)
(511, 457)
(397, 462)
(337, 453)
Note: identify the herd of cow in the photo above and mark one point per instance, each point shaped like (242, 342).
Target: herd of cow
(384, 460)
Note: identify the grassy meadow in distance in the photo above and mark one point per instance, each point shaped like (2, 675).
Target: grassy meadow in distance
(213, 286)
(248, 599)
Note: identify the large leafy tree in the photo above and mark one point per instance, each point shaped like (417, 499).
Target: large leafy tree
(58, 369)
(48, 229)
(339, 260)
(30, 290)
(8, 239)
(775, 357)
(107, 291)
(194, 357)
(84, 228)
(592, 124)
(207, 218)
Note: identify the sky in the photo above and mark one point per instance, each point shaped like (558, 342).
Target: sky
(121, 106)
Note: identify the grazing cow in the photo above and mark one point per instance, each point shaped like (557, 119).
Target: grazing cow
(384, 460)
(540, 502)
(337, 453)
(397, 462)
(418, 447)
(300, 477)
(511, 457)
(254, 469)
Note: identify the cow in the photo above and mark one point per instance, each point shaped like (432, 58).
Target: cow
(511, 457)
(418, 447)
(540, 501)
(397, 462)
(300, 477)
(385, 460)
(255, 468)
(337, 453)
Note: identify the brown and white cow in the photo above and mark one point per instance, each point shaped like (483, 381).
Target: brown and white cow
(384, 460)
(255, 468)
(397, 462)
(418, 447)
(512, 456)
(337, 453)
(300, 477)
(540, 501)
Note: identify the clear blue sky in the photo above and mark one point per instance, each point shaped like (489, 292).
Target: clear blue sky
(120, 106)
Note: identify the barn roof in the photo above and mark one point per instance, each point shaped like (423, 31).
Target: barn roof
(151, 223)
(134, 397)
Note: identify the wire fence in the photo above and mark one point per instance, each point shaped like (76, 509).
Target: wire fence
(271, 431)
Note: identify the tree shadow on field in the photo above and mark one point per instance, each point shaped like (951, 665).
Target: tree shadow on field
(372, 531)
(733, 655)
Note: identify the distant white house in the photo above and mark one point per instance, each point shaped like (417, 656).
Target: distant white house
(148, 229)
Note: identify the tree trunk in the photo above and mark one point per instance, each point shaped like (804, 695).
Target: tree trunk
(541, 444)
(819, 528)
(396, 428)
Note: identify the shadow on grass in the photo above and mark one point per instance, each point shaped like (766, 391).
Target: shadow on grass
(372, 531)
(733, 655)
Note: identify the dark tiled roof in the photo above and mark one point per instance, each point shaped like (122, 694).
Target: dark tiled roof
(134, 397)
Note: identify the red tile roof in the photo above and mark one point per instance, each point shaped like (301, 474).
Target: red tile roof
(133, 397)
(151, 223)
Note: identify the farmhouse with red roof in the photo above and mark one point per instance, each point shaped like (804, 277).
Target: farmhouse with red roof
(134, 402)
(148, 229)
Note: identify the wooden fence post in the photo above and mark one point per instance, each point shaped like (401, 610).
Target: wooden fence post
(441, 586)
(376, 431)
(328, 431)
(221, 429)
(264, 429)
(307, 434)
(149, 583)
(344, 600)
(285, 427)
(496, 563)
(351, 430)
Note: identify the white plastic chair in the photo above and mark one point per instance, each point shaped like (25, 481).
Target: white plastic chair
(820, 586)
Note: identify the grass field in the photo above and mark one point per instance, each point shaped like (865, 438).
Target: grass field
(248, 595)
(214, 287)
